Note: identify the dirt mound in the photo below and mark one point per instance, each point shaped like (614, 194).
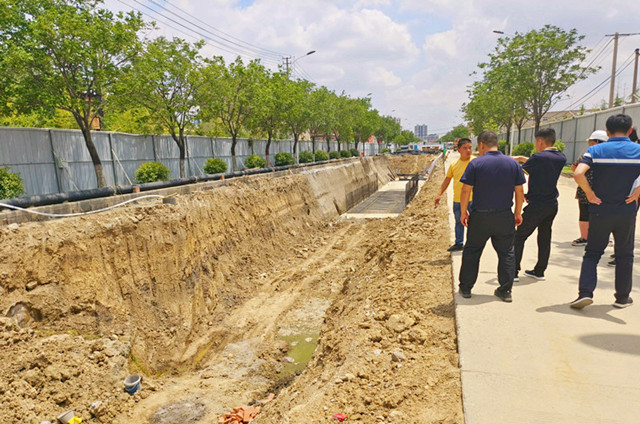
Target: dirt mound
(221, 299)
(387, 352)
(410, 164)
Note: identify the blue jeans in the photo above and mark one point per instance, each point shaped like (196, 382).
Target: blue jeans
(459, 227)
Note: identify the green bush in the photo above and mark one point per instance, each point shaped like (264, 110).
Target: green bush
(524, 149)
(321, 155)
(334, 155)
(215, 166)
(150, 172)
(559, 145)
(354, 152)
(305, 157)
(10, 184)
(502, 146)
(284, 159)
(345, 154)
(255, 161)
(385, 150)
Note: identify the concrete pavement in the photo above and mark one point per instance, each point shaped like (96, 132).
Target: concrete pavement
(536, 360)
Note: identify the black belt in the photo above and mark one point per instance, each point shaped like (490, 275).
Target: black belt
(491, 210)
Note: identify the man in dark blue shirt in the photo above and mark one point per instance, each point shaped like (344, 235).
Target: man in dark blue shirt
(544, 168)
(616, 165)
(494, 178)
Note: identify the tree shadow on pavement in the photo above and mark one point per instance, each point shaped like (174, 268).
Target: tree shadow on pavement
(623, 343)
(594, 311)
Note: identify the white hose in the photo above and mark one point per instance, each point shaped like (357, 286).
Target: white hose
(61, 215)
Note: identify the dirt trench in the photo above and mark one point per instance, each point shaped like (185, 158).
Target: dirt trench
(218, 306)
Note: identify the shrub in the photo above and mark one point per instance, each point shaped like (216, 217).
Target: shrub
(321, 155)
(215, 166)
(385, 150)
(255, 161)
(10, 184)
(354, 152)
(305, 157)
(334, 155)
(345, 154)
(150, 172)
(559, 145)
(502, 146)
(283, 159)
(523, 149)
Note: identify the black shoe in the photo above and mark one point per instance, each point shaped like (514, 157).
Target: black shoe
(465, 293)
(534, 274)
(579, 242)
(624, 304)
(612, 263)
(504, 295)
(581, 302)
(455, 248)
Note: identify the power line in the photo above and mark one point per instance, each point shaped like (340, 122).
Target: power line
(211, 42)
(589, 95)
(240, 43)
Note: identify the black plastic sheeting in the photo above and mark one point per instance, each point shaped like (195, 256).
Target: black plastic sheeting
(74, 196)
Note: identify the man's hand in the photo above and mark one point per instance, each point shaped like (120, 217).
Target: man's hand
(518, 219)
(592, 198)
(633, 197)
(438, 197)
(521, 159)
(464, 218)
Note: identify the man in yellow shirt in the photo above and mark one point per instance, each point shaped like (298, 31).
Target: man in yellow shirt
(455, 171)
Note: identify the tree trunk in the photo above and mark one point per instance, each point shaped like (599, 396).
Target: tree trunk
(328, 138)
(313, 144)
(234, 140)
(183, 154)
(295, 146)
(95, 158)
(266, 150)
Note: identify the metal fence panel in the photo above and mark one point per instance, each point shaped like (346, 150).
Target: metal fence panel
(634, 112)
(130, 151)
(585, 126)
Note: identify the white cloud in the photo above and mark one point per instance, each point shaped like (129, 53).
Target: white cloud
(415, 56)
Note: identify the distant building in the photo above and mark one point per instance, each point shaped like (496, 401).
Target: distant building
(421, 131)
(432, 138)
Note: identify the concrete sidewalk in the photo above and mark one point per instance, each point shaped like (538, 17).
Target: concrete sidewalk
(536, 360)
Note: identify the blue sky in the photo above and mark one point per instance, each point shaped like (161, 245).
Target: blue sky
(414, 56)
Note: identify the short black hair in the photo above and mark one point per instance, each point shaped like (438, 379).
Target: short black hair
(548, 135)
(488, 138)
(619, 123)
(463, 141)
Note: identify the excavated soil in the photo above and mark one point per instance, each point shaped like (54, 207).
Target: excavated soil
(224, 298)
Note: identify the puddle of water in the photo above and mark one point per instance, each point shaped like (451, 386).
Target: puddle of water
(301, 348)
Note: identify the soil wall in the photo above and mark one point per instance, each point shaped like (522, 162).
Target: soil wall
(156, 275)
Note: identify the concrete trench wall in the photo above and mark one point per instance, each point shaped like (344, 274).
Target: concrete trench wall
(158, 275)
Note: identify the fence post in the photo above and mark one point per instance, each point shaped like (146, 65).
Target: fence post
(113, 160)
(153, 144)
(55, 163)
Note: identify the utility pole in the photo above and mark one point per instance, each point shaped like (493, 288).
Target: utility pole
(287, 60)
(635, 78)
(613, 69)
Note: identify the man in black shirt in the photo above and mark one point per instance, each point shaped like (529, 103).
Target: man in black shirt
(544, 168)
(494, 178)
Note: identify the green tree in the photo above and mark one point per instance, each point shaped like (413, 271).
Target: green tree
(165, 80)
(268, 116)
(342, 124)
(542, 64)
(64, 55)
(297, 111)
(322, 114)
(229, 93)
(459, 131)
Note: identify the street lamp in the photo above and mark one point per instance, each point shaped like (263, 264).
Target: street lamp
(288, 63)
(498, 32)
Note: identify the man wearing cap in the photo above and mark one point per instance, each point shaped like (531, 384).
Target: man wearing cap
(494, 178)
(616, 165)
(596, 137)
(544, 168)
(455, 171)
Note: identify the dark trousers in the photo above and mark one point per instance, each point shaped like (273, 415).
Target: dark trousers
(500, 228)
(623, 228)
(541, 218)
